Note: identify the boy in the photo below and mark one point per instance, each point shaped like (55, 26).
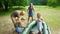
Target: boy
(38, 29)
(39, 23)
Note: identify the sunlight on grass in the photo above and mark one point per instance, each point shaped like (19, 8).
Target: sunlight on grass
(51, 16)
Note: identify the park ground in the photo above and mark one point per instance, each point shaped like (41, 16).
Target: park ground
(51, 17)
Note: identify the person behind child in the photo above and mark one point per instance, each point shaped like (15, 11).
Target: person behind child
(14, 15)
(16, 20)
(30, 12)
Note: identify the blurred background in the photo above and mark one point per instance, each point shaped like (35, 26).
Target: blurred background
(50, 10)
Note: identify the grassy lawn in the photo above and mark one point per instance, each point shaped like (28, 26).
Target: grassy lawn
(51, 17)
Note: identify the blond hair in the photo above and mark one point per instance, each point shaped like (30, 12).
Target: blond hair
(39, 15)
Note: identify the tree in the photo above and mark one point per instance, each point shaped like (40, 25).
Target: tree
(18, 2)
(6, 4)
(52, 3)
(1, 6)
(39, 2)
(58, 2)
(23, 2)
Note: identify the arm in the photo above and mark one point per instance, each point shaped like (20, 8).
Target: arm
(33, 8)
(28, 10)
(42, 18)
(12, 19)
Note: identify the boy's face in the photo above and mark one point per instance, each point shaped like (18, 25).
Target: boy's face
(38, 15)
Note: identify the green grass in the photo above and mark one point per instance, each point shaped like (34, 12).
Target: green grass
(11, 9)
(51, 16)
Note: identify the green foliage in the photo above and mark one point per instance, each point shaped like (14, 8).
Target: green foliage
(1, 4)
(39, 2)
(17, 2)
(58, 2)
(23, 2)
(9, 3)
(53, 3)
(42, 2)
(13, 8)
